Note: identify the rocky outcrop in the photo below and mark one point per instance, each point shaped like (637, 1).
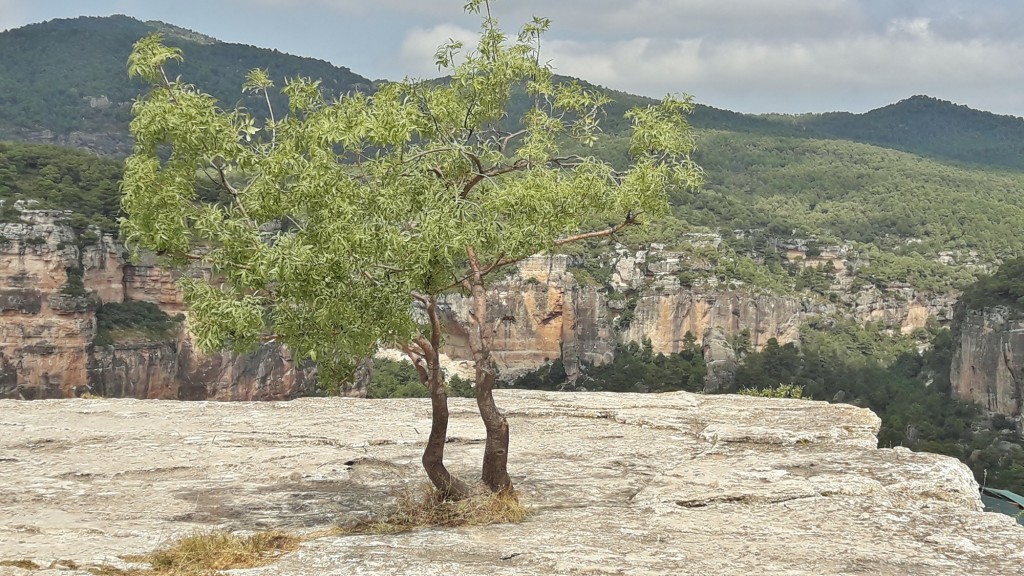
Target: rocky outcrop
(117, 144)
(721, 360)
(539, 315)
(51, 282)
(988, 361)
(669, 484)
(900, 306)
(46, 326)
(175, 371)
(543, 314)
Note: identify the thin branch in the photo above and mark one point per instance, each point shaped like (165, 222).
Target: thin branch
(521, 164)
(497, 264)
(234, 193)
(505, 141)
(567, 162)
(629, 221)
(416, 357)
(270, 109)
(419, 155)
(475, 159)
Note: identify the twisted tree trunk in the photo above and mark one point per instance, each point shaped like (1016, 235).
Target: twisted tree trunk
(426, 358)
(494, 472)
(451, 487)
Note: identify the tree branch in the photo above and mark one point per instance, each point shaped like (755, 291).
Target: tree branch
(505, 141)
(416, 357)
(273, 122)
(234, 193)
(629, 221)
(435, 324)
(492, 172)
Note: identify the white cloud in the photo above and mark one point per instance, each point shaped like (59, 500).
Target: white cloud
(420, 45)
(907, 59)
(911, 26)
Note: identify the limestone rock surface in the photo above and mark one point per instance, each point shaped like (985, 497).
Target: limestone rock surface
(618, 484)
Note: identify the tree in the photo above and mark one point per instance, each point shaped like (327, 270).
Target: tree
(346, 221)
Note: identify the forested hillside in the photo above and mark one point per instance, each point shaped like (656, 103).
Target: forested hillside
(928, 127)
(70, 75)
(60, 178)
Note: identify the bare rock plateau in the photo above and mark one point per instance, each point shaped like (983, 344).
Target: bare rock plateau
(618, 484)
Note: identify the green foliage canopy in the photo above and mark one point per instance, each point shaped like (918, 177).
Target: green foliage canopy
(344, 212)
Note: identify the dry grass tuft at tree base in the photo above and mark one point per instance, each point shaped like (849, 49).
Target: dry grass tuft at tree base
(424, 506)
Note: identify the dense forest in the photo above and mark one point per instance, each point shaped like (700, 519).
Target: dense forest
(1003, 288)
(70, 75)
(60, 178)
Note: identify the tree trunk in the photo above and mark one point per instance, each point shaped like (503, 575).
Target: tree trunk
(495, 467)
(451, 488)
(426, 358)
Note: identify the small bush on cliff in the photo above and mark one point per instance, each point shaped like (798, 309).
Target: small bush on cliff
(386, 202)
(133, 321)
(780, 391)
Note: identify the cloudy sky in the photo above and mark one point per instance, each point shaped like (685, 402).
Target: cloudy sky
(745, 55)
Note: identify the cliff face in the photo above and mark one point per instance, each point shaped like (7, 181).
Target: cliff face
(176, 371)
(540, 322)
(988, 361)
(46, 330)
(51, 283)
(52, 280)
(542, 313)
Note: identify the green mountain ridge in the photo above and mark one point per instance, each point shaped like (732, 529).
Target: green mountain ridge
(907, 182)
(69, 75)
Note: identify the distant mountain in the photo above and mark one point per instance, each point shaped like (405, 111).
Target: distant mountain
(66, 81)
(925, 126)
